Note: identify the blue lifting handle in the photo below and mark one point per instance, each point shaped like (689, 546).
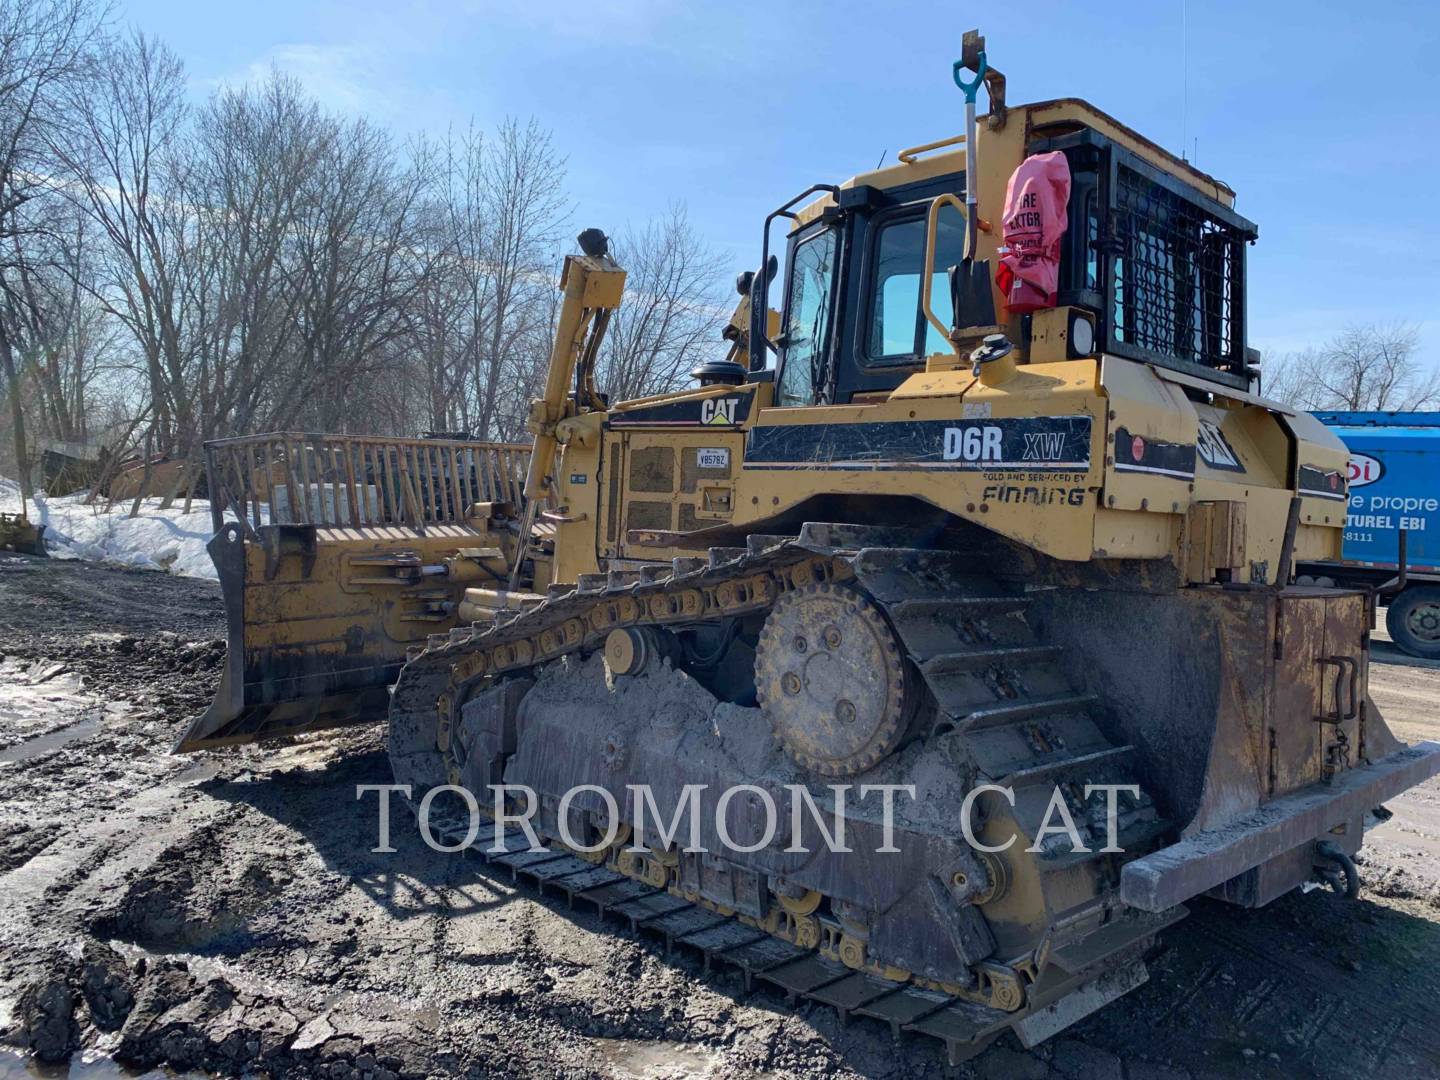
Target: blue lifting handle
(970, 88)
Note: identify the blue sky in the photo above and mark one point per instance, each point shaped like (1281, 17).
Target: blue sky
(733, 108)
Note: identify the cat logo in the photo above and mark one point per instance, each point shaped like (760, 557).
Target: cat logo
(718, 411)
(1214, 449)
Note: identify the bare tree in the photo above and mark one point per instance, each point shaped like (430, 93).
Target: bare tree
(357, 268)
(43, 54)
(1370, 367)
(69, 342)
(672, 314)
(127, 170)
(255, 149)
(257, 263)
(481, 324)
(444, 306)
(515, 187)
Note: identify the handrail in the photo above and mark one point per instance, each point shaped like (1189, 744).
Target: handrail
(909, 154)
(932, 220)
(393, 440)
(350, 481)
(760, 287)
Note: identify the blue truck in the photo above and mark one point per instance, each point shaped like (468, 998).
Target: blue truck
(1392, 523)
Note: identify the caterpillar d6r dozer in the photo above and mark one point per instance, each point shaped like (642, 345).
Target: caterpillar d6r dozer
(1033, 568)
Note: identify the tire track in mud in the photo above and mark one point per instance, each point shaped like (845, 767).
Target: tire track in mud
(1325, 1024)
(95, 855)
(1281, 989)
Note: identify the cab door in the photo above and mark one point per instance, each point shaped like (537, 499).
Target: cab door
(807, 345)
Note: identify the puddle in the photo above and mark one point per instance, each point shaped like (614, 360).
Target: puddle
(17, 1066)
(653, 1059)
(196, 774)
(50, 741)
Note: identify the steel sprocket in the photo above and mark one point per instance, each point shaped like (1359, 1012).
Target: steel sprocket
(830, 674)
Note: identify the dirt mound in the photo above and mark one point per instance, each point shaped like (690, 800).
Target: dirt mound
(63, 989)
(192, 899)
(189, 1023)
(45, 1011)
(166, 1015)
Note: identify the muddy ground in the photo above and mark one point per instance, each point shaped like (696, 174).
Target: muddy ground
(223, 912)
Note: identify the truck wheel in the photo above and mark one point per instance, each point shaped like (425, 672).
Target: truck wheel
(1413, 620)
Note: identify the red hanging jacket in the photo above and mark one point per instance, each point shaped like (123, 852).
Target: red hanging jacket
(1035, 202)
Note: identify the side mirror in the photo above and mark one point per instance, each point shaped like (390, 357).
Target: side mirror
(760, 313)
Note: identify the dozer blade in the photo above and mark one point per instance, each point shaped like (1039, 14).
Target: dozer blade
(303, 652)
(1260, 730)
(325, 593)
(319, 621)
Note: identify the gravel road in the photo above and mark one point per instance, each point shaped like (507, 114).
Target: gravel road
(223, 912)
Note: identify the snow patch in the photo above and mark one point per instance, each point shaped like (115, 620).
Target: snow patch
(155, 539)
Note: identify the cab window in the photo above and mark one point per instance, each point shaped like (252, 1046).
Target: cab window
(807, 318)
(898, 330)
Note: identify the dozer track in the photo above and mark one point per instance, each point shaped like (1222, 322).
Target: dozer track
(993, 685)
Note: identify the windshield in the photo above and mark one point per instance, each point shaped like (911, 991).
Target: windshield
(807, 321)
(896, 321)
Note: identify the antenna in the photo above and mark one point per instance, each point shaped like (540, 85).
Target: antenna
(1185, 74)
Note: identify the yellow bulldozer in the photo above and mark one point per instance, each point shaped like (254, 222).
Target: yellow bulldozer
(1026, 566)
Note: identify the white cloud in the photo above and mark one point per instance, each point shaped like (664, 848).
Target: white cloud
(355, 79)
(344, 78)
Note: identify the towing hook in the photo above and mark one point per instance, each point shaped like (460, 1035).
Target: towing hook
(1336, 869)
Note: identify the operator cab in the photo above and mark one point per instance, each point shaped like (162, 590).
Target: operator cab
(1152, 264)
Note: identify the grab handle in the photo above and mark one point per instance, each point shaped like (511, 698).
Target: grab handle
(971, 88)
(932, 220)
